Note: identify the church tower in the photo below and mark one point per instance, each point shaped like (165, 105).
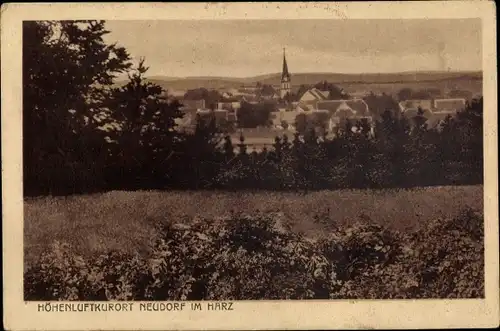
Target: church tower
(286, 86)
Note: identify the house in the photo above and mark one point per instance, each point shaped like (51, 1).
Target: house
(192, 104)
(303, 107)
(412, 112)
(358, 94)
(220, 115)
(314, 95)
(176, 93)
(448, 105)
(257, 138)
(250, 98)
(412, 108)
(284, 120)
(250, 89)
(414, 105)
(328, 114)
(435, 111)
(273, 96)
(437, 118)
(236, 105)
(351, 107)
(341, 111)
(228, 105)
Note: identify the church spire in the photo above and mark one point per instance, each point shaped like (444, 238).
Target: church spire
(285, 73)
(286, 84)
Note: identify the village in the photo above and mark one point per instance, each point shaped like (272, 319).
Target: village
(324, 104)
(340, 168)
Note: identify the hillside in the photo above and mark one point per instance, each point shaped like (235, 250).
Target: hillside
(389, 83)
(312, 78)
(410, 77)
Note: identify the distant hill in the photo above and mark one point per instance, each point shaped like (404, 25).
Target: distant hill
(313, 78)
(403, 78)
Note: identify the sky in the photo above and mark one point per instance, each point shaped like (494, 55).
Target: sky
(246, 48)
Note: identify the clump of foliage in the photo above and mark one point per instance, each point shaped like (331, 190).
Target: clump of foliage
(255, 257)
(442, 260)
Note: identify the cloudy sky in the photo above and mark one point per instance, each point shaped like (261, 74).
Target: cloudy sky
(243, 48)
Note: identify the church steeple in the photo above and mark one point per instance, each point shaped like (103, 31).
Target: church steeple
(285, 74)
(285, 78)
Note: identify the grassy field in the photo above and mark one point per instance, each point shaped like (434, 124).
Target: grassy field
(126, 220)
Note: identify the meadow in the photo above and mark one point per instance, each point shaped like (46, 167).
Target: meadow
(126, 221)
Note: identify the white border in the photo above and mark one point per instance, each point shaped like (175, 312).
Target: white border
(341, 314)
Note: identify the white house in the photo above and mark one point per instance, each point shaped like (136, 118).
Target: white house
(314, 95)
(343, 110)
(449, 105)
(435, 111)
(407, 105)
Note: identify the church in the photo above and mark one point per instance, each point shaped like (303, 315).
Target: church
(286, 81)
(315, 102)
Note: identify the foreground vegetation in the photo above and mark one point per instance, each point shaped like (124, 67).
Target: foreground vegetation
(125, 221)
(259, 257)
(143, 245)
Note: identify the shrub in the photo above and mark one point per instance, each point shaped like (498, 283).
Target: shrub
(63, 275)
(441, 260)
(242, 257)
(450, 254)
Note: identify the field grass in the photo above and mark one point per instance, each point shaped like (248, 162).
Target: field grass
(126, 221)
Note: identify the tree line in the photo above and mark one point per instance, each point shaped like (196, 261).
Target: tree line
(82, 133)
(402, 153)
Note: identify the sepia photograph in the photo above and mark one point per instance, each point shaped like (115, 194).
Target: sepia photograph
(220, 160)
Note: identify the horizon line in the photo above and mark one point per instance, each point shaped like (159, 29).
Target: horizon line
(324, 73)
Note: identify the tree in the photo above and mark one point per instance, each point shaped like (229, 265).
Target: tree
(319, 121)
(433, 92)
(146, 137)
(228, 148)
(336, 93)
(284, 124)
(254, 115)
(405, 94)
(464, 133)
(242, 146)
(301, 123)
(277, 147)
(266, 90)
(285, 145)
(422, 95)
(211, 97)
(226, 126)
(379, 104)
(68, 70)
(419, 122)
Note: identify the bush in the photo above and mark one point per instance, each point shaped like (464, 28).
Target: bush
(242, 257)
